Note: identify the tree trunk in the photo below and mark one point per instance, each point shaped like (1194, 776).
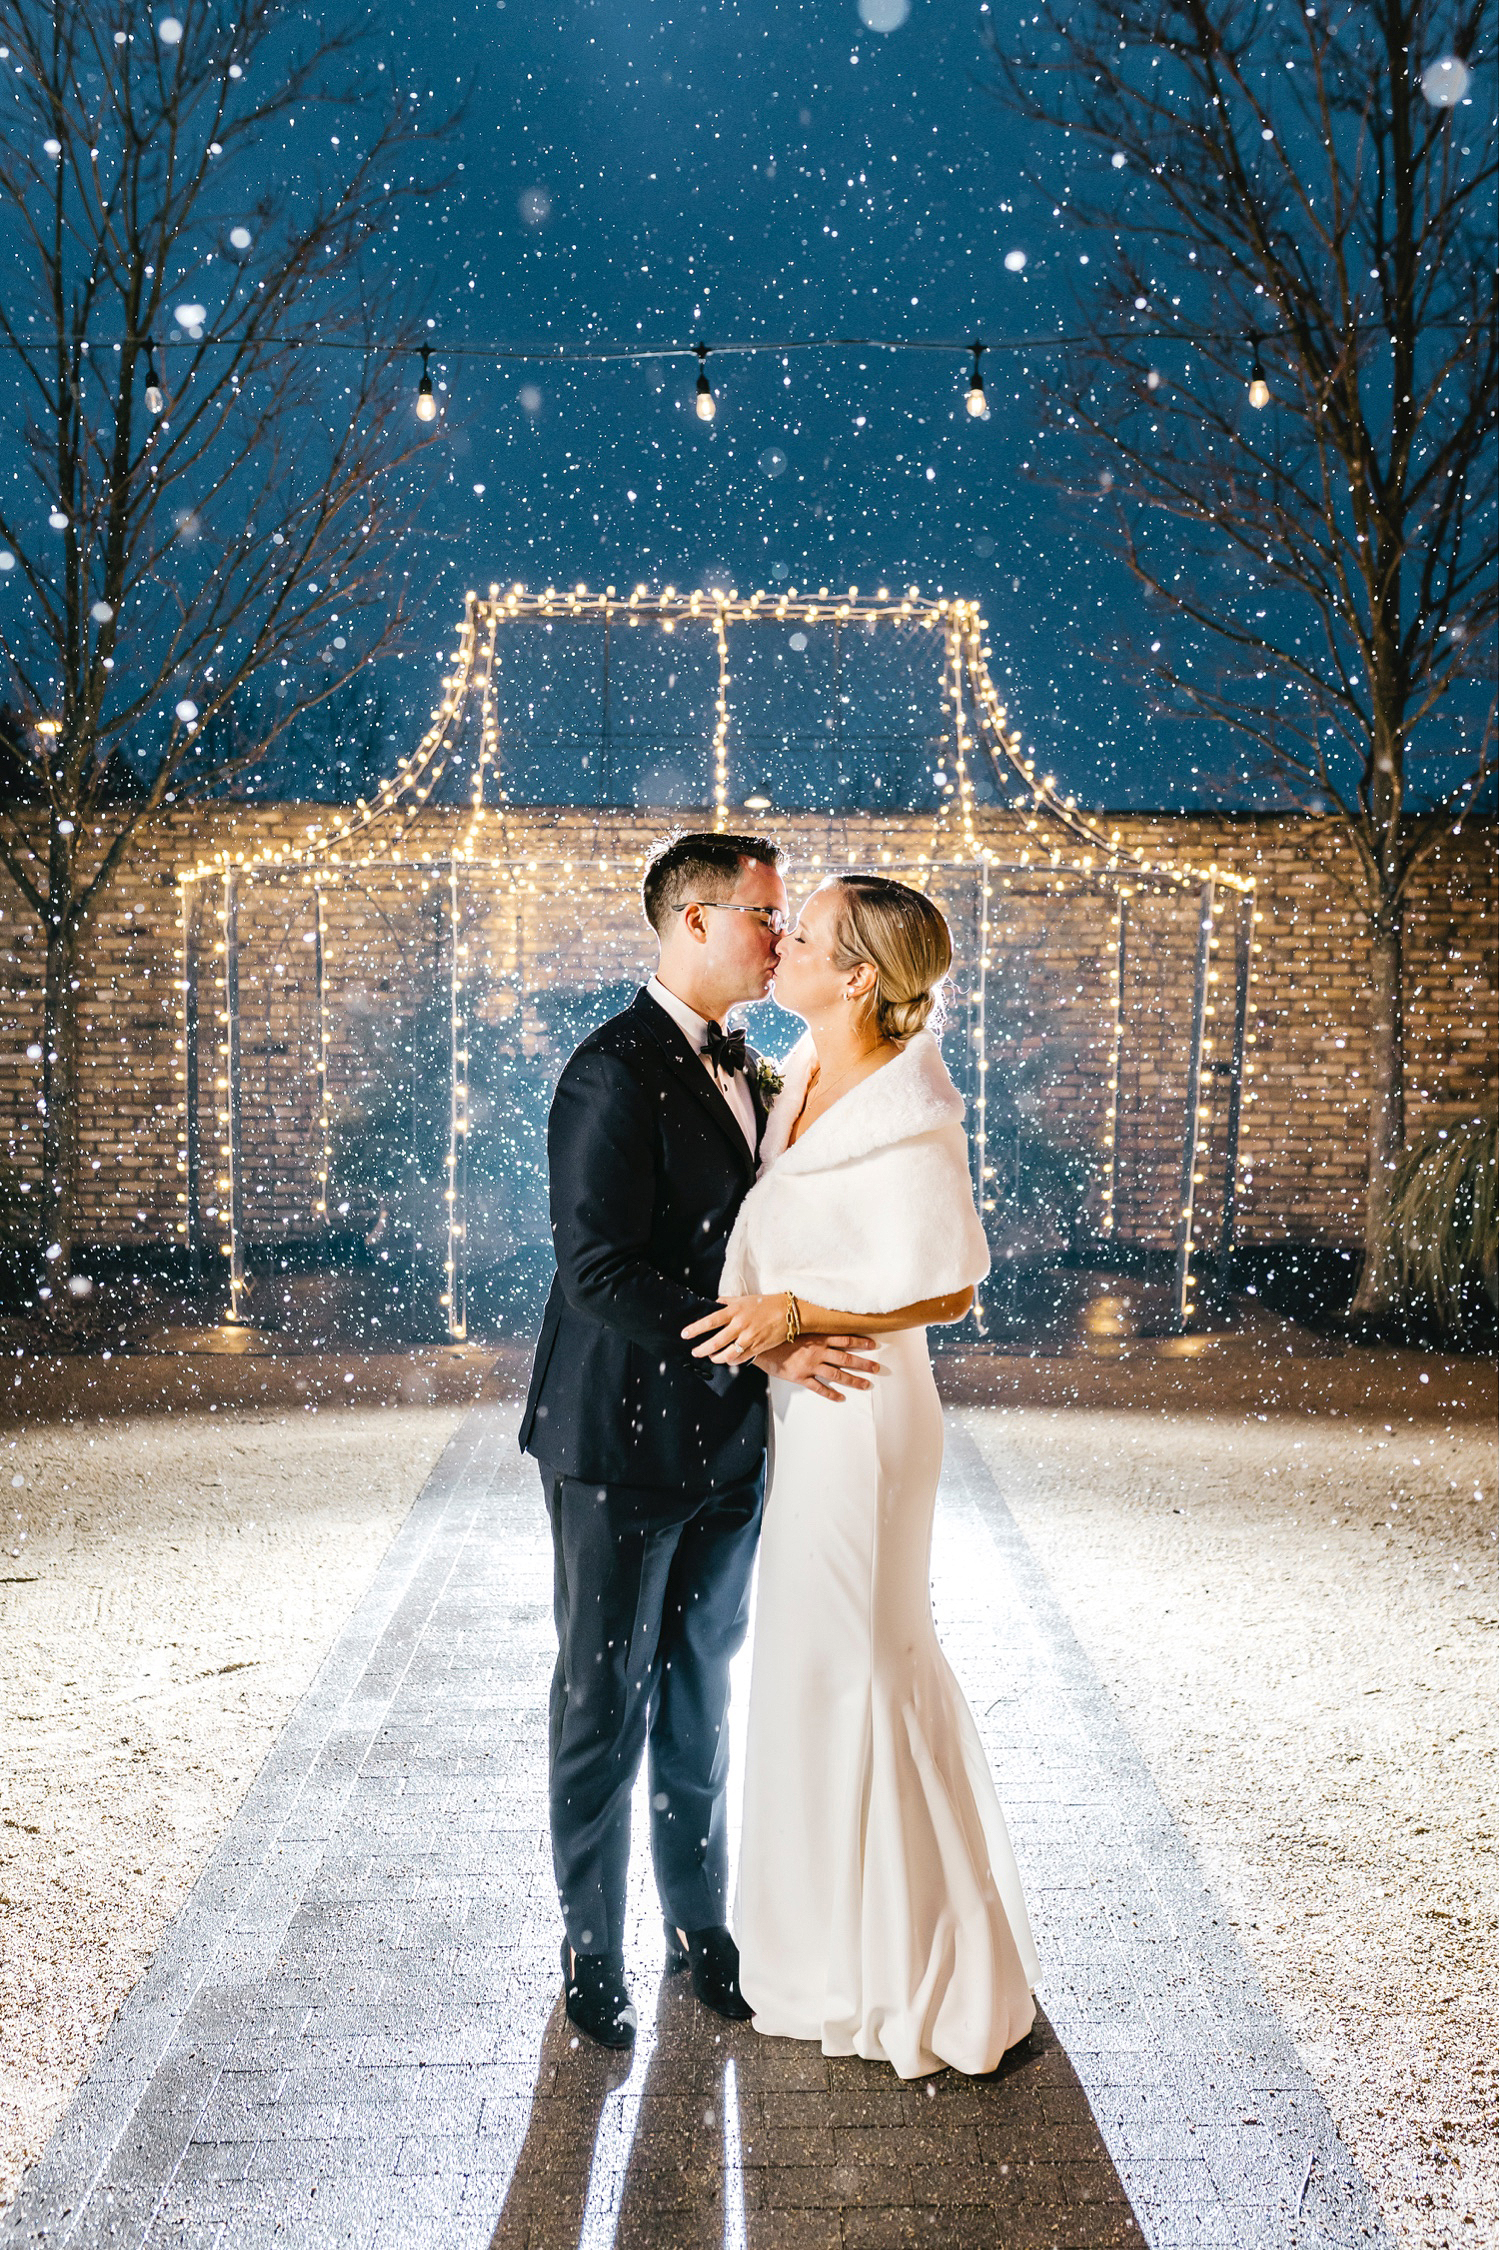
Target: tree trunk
(60, 1119)
(1387, 1103)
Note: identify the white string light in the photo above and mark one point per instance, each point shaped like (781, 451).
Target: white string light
(1116, 1041)
(401, 797)
(155, 397)
(705, 405)
(325, 1107)
(721, 723)
(454, 1298)
(409, 790)
(975, 401)
(954, 671)
(1260, 389)
(186, 901)
(984, 1174)
(426, 403)
(1198, 1109)
(488, 759)
(226, 1105)
(376, 830)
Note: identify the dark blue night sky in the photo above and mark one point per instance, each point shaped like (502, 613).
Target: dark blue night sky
(764, 171)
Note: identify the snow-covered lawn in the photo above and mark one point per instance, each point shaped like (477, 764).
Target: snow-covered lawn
(1295, 1616)
(1281, 1566)
(181, 1578)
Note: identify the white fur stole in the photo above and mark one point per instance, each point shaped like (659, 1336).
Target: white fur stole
(872, 1208)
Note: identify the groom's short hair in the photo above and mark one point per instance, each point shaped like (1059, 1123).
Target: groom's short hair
(697, 863)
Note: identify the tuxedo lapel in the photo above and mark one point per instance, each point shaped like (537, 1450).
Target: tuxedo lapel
(688, 1069)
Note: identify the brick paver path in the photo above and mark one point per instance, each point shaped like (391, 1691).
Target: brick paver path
(352, 2034)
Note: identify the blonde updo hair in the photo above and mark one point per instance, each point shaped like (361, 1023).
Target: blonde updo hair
(905, 940)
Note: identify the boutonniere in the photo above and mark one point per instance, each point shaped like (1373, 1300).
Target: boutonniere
(768, 1080)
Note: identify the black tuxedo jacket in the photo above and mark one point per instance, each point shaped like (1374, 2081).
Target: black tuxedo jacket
(647, 1166)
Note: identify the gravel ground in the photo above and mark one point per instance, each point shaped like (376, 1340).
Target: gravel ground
(169, 1584)
(1294, 1614)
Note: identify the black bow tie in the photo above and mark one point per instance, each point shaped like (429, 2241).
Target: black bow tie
(725, 1049)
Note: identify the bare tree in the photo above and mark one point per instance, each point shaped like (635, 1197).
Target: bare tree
(205, 489)
(1286, 380)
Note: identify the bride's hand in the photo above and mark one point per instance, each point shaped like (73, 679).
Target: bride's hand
(742, 1327)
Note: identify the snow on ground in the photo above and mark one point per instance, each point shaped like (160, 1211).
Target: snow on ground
(1294, 1614)
(1282, 1568)
(180, 1578)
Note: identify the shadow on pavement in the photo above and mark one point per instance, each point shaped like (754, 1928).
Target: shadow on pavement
(713, 2135)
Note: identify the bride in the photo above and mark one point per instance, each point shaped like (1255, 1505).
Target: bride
(879, 1906)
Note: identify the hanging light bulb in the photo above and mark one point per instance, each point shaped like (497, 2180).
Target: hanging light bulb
(155, 397)
(976, 402)
(426, 403)
(1260, 389)
(704, 403)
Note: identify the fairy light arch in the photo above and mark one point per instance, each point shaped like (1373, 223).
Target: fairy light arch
(1059, 839)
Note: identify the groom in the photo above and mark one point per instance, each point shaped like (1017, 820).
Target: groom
(653, 1461)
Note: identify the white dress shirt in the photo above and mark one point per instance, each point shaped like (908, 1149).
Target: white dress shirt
(694, 1028)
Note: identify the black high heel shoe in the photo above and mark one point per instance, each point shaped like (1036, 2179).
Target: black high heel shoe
(597, 1997)
(714, 1959)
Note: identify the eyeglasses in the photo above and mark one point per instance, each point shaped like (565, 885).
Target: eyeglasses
(769, 917)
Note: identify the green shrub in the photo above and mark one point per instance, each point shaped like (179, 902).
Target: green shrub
(1440, 1248)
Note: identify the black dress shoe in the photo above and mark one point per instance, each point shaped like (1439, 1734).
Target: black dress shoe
(597, 1997)
(714, 1959)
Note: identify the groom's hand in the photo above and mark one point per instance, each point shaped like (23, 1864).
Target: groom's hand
(818, 1362)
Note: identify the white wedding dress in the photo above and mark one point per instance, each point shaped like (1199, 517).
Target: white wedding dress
(879, 1907)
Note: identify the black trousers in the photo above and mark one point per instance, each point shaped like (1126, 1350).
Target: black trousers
(651, 1597)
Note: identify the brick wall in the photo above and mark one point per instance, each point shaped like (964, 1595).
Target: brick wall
(558, 913)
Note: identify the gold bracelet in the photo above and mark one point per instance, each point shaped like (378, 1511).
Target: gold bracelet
(793, 1318)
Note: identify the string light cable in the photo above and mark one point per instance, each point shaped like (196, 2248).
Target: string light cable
(583, 354)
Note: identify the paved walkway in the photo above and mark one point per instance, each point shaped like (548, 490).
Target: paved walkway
(352, 2035)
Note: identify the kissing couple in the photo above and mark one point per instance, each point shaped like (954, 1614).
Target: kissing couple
(747, 1263)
